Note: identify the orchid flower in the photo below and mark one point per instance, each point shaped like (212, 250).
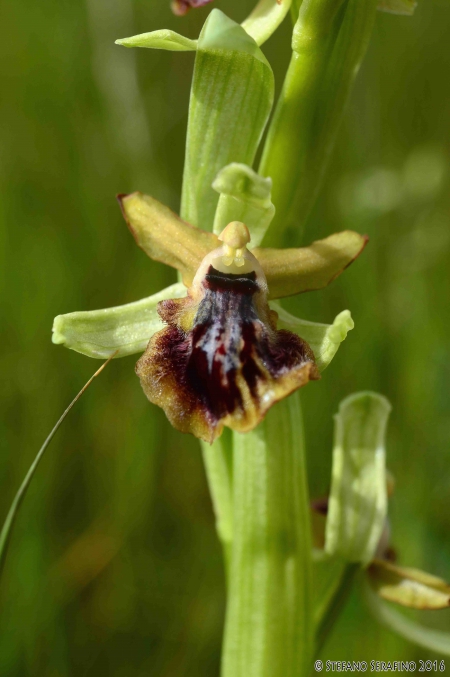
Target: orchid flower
(219, 359)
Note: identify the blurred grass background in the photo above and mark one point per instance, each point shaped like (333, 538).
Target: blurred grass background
(114, 567)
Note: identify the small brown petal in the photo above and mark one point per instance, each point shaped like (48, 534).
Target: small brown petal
(221, 361)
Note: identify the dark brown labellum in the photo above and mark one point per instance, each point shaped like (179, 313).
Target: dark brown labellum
(221, 361)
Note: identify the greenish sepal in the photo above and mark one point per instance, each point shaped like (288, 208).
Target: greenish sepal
(265, 19)
(294, 271)
(163, 39)
(324, 339)
(427, 638)
(358, 500)
(244, 196)
(165, 237)
(411, 588)
(126, 329)
(231, 99)
(405, 7)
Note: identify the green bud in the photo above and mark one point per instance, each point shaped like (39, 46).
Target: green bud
(163, 39)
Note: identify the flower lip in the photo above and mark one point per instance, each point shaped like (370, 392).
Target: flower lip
(221, 361)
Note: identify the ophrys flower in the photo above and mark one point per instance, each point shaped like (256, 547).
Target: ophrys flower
(219, 358)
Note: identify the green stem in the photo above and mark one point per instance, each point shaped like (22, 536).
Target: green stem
(218, 459)
(269, 622)
(330, 39)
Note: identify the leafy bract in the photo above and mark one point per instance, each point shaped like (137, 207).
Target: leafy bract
(231, 99)
(358, 500)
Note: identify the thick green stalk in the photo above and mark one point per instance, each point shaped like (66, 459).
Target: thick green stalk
(218, 459)
(295, 9)
(269, 620)
(329, 41)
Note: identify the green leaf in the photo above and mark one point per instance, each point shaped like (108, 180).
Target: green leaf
(324, 339)
(163, 39)
(358, 500)
(231, 99)
(434, 640)
(265, 19)
(244, 196)
(126, 329)
(405, 7)
(409, 587)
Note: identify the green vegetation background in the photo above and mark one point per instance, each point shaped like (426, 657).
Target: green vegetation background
(114, 567)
